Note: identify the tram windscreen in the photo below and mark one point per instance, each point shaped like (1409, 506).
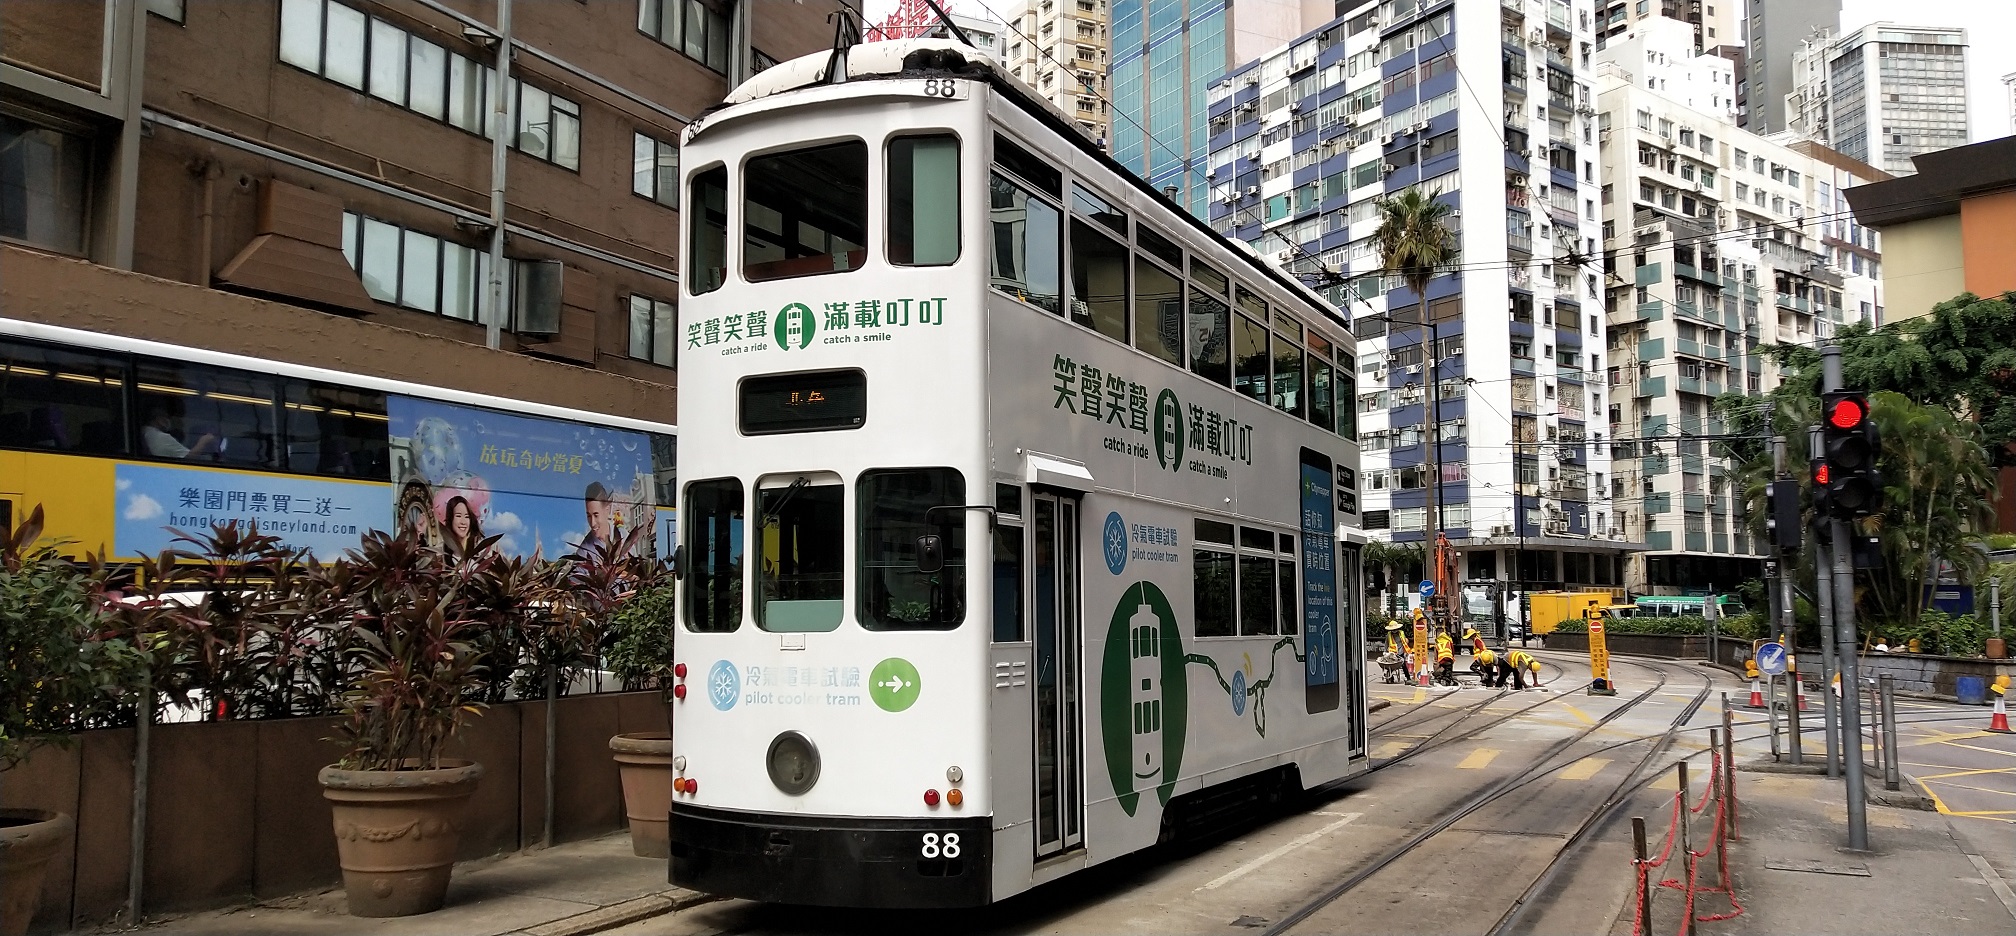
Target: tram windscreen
(805, 211)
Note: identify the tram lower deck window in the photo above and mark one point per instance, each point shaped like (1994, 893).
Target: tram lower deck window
(800, 571)
(805, 211)
(896, 508)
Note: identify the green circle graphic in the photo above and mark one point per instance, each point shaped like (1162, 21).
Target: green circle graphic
(1120, 692)
(894, 684)
(799, 314)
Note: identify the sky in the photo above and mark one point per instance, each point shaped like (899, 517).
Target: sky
(1991, 32)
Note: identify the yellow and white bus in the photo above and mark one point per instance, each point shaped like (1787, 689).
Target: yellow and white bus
(122, 442)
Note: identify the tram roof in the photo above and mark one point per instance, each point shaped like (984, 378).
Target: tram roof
(910, 58)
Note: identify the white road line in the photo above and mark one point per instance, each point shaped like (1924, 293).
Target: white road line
(1299, 841)
(1995, 883)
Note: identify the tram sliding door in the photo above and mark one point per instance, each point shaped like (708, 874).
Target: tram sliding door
(1059, 654)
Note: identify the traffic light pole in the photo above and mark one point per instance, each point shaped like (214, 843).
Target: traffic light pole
(1844, 633)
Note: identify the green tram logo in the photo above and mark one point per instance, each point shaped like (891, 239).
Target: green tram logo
(794, 326)
(1169, 431)
(1144, 699)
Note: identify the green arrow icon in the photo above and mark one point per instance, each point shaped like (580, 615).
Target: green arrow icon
(894, 684)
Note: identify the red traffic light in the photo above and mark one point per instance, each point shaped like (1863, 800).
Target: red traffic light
(1820, 474)
(1846, 412)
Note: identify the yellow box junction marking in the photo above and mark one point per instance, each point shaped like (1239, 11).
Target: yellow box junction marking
(1585, 768)
(1478, 759)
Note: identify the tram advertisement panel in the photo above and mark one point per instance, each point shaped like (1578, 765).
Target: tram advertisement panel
(1319, 570)
(545, 486)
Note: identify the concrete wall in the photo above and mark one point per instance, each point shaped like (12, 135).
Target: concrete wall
(1922, 266)
(235, 813)
(1987, 229)
(1927, 674)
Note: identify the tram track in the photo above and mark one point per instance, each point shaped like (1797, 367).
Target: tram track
(1462, 715)
(1543, 766)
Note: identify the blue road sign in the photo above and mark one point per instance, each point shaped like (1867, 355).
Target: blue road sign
(1771, 659)
(1427, 588)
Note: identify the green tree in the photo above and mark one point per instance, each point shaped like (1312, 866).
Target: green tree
(1414, 242)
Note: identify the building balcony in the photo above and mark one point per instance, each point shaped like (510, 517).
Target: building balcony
(1697, 542)
(1651, 349)
(1651, 387)
(1522, 366)
(1647, 275)
(1651, 311)
(1659, 540)
(1655, 464)
(1658, 503)
(1520, 242)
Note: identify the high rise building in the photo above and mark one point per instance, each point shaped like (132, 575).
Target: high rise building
(1719, 242)
(914, 19)
(1715, 22)
(1059, 47)
(1773, 32)
(1165, 54)
(1883, 93)
(1305, 142)
(309, 181)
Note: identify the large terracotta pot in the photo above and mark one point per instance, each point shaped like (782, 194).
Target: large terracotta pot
(28, 839)
(645, 763)
(396, 832)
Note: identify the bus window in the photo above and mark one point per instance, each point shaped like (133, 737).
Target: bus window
(334, 431)
(664, 461)
(924, 200)
(707, 210)
(1098, 281)
(1158, 311)
(1026, 254)
(65, 401)
(805, 211)
(712, 527)
(799, 570)
(893, 594)
(1212, 579)
(209, 414)
(1209, 330)
(1249, 355)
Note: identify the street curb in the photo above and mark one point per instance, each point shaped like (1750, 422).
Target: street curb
(1782, 767)
(621, 914)
(1379, 706)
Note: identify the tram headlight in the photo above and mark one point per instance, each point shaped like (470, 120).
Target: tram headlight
(793, 763)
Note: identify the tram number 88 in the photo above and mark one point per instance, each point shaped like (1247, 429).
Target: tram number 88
(936, 846)
(940, 87)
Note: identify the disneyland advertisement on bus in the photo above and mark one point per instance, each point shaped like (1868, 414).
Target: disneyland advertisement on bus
(544, 487)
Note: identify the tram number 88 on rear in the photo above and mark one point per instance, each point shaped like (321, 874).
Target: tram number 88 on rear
(939, 846)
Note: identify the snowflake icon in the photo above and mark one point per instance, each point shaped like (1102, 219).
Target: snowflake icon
(724, 685)
(1115, 543)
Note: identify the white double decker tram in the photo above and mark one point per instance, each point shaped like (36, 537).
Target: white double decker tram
(1018, 508)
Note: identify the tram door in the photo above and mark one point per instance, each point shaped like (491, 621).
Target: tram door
(1059, 642)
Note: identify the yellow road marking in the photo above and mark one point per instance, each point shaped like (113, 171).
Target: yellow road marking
(1668, 780)
(1389, 749)
(1976, 747)
(1956, 772)
(1478, 759)
(1585, 768)
(1579, 714)
(1419, 694)
(1977, 789)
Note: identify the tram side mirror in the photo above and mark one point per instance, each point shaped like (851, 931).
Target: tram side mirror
(930, 553)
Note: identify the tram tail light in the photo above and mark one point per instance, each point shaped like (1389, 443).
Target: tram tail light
(679, 691)
(679, 670)
(954, 797)
(678, 784)
(930, 797)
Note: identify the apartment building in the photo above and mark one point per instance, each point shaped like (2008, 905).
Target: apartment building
(1715, 22)
(1718, 242)
(1167, 53)
(1883, 93)
(1947, 230)
(1059, 47)
(309, 180)
(1772, 34)
(1304, 143)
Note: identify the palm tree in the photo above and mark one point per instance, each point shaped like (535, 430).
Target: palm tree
(1414, 241)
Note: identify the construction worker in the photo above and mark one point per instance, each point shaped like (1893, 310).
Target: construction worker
(1517, 663)
(1484, 665)
(1398, 644)
(1476, 640)
(1445, 659)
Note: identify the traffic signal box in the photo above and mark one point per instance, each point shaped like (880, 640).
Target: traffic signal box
(1781, 513)
(1845, 478)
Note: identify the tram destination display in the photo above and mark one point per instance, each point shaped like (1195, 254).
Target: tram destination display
(813, 401)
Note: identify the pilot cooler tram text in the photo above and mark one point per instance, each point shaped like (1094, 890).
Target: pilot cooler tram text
(1018, 509)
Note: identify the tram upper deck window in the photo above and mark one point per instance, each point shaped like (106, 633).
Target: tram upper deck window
(924, 200)
(1209, 324)
(896, 508)
(1098, 281)
(1158, 311)
(800, 570)
(1287, 383)
(1025, 257)
(65, 401)
(805, 211)
(1322, 385)
(707, 217)
(713, 530)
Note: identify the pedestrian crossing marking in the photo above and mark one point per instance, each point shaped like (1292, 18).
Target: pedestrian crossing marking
(1580, 715)
(1478, 759)
(1585, 768)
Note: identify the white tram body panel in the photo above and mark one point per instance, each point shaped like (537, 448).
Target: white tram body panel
(1045, 698)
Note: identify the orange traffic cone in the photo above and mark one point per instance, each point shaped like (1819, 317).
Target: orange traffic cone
(1999, 721)
(1756, 693)
(1799, 692)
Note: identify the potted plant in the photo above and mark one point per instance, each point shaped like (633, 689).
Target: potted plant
(397, 800)
(640, 655)
(62, 670)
